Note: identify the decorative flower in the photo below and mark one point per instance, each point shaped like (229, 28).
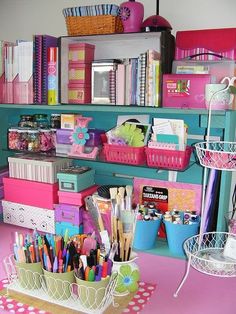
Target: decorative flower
(80, 136)
(131, 133)
(127, 279)
(124, 13)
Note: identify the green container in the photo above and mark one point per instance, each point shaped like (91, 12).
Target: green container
(91, 293)
(29, 275)
(58, 285)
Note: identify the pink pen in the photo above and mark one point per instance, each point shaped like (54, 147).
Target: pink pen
(60, 268)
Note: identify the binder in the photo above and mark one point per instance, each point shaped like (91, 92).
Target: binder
(37, 75)
(47, 42)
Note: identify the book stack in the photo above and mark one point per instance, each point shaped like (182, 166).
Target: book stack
(80, 58)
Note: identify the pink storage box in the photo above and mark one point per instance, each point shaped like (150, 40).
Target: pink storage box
(205, 42)
(31, 193)
(76, 198)
(80, 73)
(79, 93)
(81, 52)
(185, 90)
(68, 213)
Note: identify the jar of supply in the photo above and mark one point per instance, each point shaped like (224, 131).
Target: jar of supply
(41, 120)
(13, 138)
(33, 141)
(53, 138)
(23, 139)
(55, 121)
(26, 121)
(45, 140)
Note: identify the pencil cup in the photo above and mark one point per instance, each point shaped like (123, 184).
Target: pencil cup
(128, 276)
(29, 275)
(146, 234)
(177, 234)
(58, 285)
(93, 294)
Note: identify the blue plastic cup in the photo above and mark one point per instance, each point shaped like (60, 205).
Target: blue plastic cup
(146, 234)
(177, 234)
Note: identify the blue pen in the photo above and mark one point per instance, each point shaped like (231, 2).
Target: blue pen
(45, 261)
(98, 273)
(67, 260)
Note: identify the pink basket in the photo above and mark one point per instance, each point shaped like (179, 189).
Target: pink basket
(124, 154)
(168, 159)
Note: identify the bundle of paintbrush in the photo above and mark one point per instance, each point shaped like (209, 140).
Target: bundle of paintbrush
(123, 221)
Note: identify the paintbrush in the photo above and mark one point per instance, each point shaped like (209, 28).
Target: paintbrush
(128, 198)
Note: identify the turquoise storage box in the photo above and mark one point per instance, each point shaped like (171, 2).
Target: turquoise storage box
(72, 230)
(75, 179)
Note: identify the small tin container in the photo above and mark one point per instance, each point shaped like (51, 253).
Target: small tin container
(55, 121)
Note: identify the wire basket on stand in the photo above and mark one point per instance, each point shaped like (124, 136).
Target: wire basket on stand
(206, 251)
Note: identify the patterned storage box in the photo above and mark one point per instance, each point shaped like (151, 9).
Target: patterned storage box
(79, 93)
(81, 53)
(37, 168)
(80, 74)
(75, 179)
(39, 194)
(29, 216)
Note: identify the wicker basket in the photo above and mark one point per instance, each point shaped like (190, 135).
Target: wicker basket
(93, 25)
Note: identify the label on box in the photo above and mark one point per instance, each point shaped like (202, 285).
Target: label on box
(178, 87)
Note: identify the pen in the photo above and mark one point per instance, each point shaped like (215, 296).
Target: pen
(91, 275)
(98, 273)
(55, 265)
(86, 273)
(104, 269)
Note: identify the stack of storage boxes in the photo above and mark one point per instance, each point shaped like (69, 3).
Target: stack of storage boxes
(3, 173)
(31, 191)
(81, 56)
(75, 183)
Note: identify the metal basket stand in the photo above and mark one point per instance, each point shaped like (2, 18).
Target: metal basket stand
(204, 251)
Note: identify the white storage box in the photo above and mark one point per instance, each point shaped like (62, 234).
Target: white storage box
(37, 168)
(29, 216)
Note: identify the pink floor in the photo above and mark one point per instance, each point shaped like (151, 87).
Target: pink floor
(201, 294)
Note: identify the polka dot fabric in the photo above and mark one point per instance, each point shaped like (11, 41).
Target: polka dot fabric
(135, 306)
(13, 306)
(141, 298)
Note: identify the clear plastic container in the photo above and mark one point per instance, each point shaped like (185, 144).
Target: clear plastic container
(13, 138)
(23, 139)
(33, 141)
(45, 140)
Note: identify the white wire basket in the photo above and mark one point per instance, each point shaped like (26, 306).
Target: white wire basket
(217, 155)
(205, 253)
(80, 297)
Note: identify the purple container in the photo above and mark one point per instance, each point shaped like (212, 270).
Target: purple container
(95, 139)
(68, 213)
(63, 136)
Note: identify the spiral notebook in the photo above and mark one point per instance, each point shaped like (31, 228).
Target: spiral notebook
(41, 45)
